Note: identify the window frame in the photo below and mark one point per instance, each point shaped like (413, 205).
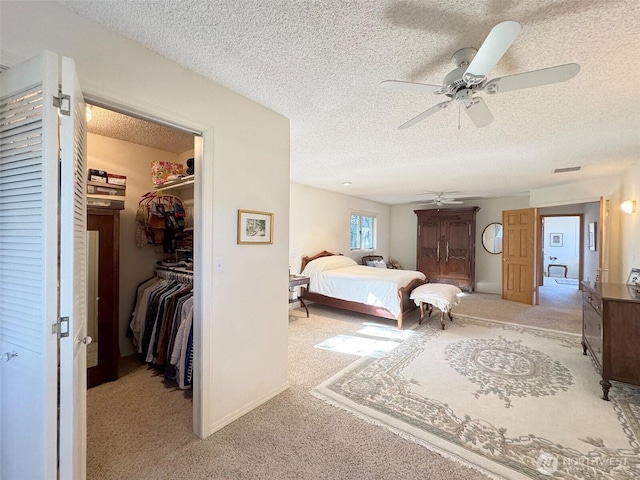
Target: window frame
(374, 240)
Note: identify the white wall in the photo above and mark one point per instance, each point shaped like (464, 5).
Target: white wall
(568, 253)
(578, 192)
(136, 263)
(630, 224)
(404, 231)
(489, 266)
(320, 220)
(243, 354)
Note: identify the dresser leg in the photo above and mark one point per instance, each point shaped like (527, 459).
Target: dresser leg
(584, 347)
(606, 385)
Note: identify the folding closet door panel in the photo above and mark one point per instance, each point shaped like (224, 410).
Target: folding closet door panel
(28, 269)
(73, 275)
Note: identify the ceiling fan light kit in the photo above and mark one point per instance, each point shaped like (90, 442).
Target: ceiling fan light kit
(470, 77)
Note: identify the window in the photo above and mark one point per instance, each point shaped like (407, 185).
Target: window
(363, 231)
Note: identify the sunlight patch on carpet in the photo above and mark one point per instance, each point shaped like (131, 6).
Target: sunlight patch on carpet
(392, 333)
(363, 347)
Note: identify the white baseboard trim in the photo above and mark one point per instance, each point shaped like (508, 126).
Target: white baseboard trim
(223, 422)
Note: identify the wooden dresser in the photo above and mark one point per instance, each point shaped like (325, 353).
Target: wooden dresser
(611, 331)
(447, 245)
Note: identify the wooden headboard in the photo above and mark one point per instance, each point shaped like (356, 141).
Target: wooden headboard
(324, 253)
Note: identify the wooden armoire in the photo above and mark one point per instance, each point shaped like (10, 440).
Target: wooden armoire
(103, 258)
(447, 245)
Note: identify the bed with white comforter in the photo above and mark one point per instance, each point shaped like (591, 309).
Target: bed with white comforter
(377, 291)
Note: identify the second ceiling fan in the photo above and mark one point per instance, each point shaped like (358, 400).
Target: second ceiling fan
(470, 77)
(439, 199)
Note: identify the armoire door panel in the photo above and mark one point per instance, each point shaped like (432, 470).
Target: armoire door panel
(457, 258)
(428, 248)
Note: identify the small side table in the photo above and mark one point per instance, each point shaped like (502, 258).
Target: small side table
(298, 281)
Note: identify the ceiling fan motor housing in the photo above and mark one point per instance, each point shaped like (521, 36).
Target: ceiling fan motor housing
(455, 81)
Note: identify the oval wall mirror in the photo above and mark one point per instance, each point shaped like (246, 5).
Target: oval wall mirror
(492, 238)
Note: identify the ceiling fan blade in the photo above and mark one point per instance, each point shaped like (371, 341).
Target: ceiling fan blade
(424, 114)
(479, 112)
(411, 86)
(453, 202)
(535, 78)
(493, 48)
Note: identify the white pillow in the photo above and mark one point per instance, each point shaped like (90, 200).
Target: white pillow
(327, 263)
(376, 263)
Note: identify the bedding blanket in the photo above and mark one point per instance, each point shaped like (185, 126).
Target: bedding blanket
(342, 278)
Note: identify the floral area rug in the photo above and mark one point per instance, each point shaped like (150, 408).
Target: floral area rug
(511, 401)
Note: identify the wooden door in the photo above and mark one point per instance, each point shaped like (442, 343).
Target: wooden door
(457, 257)
(105, 348)
(429, 248)
(519, 256)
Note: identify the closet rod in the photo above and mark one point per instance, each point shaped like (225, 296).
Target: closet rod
(168, 273)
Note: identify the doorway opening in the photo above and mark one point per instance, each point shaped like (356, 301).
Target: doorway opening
(561, 262)
(151, 257)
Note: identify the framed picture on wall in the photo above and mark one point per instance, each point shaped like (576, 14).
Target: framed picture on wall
(555, 239)
(255, 227)
(592, 236)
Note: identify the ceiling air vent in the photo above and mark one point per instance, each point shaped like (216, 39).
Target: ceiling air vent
(568, 169)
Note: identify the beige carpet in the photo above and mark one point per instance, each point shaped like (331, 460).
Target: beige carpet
(509, 399)
(138, 428)
(560, 309)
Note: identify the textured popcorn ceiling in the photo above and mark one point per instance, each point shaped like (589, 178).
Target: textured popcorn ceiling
(115, 125)
(320, 63)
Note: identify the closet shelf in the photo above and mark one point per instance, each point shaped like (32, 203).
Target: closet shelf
(183, 182)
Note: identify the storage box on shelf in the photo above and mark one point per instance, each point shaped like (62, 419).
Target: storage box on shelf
(105, 194)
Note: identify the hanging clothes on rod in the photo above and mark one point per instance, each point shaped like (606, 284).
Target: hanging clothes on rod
(162, 323)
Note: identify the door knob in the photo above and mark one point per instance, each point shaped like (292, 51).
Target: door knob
(87, 340)
(8, 356)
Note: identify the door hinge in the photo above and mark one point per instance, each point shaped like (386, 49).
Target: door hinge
(61, 328)
(63, 102)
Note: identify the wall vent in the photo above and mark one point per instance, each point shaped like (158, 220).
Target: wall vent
(567, 169)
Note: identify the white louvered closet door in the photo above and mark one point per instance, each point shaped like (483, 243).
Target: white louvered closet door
(73, 279)
(42, 271)
(28, 269)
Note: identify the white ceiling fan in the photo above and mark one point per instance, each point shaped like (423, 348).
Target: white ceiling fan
(470, 77)
(439, 200)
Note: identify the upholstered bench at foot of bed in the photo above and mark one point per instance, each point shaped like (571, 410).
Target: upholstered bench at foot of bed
(440, 295)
